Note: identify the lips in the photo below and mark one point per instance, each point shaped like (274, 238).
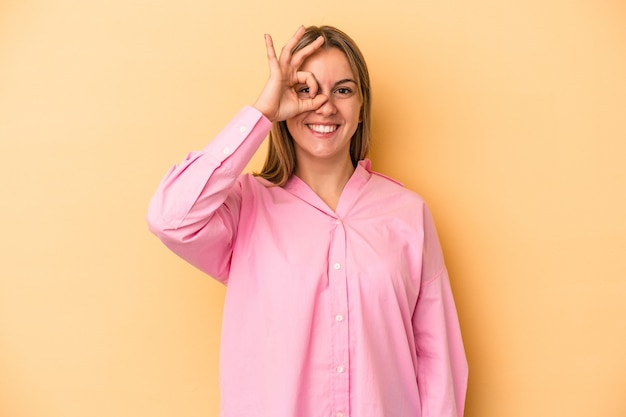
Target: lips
(323, 129)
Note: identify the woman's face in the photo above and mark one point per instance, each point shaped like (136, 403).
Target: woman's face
(325, 133)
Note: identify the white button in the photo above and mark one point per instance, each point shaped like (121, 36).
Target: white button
(340, 414)
(340, 369)
(339, 317)
(226, 151)
(242, 129)
(337, 221)
(337, 266)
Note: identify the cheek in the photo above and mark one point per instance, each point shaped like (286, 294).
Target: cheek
(290, 126)
(294, 128)
(294, 123)
(356, 112)
(357, 115)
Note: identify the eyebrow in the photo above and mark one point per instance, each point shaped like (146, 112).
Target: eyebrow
(345, 80)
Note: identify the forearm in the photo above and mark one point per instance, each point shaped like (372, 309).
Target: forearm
(442, 364)
(193, 193)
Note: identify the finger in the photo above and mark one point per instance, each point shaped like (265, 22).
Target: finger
(313, 103)
(285, 53)
(304, 77)
(269, 47)
(298, 58)
(271, 53)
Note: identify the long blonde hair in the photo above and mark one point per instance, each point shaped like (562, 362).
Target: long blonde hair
(280, 162)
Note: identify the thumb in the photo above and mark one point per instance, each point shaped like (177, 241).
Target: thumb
(314, 103)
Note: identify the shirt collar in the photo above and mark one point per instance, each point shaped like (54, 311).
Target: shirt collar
(354, 186)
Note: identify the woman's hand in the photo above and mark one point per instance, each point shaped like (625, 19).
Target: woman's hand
(278, 100)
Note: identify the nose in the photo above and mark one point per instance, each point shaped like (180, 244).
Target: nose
(328, 108)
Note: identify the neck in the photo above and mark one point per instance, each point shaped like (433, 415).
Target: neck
(327, 178)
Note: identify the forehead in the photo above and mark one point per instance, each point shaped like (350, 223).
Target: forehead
(329, 63)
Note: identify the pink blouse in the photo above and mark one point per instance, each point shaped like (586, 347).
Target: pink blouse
(345, 313)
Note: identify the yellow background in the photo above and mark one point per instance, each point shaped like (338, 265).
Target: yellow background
(509, 117)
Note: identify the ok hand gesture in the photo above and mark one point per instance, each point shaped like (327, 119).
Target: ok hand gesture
(278, 100)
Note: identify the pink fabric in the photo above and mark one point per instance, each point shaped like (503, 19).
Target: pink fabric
(327, 314)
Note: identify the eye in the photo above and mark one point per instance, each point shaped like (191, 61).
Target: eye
(344, 91)
(303, 91)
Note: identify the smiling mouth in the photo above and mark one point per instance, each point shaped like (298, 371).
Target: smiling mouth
(323, 128)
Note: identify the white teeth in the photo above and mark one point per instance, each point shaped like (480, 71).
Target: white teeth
(323, 128)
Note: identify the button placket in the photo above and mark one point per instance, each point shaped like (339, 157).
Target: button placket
(337, 275)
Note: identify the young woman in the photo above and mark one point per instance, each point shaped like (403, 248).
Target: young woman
(338, 301)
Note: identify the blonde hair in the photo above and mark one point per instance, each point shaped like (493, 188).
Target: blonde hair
(280, 162)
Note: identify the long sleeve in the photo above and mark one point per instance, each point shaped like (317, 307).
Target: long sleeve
(196, 206)
(442, 365)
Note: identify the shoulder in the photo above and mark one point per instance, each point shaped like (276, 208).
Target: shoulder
(392, 188)
(383, 183)
(249, 181)
(379, 175)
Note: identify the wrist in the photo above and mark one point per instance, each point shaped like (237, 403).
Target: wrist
(268, 114)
